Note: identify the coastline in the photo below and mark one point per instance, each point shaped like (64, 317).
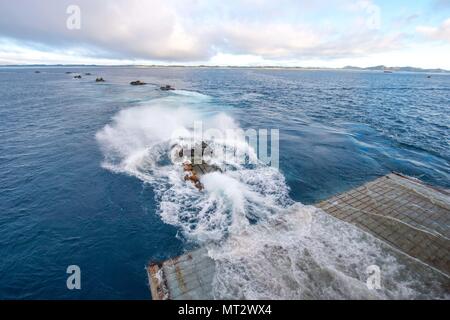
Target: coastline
(379, 69)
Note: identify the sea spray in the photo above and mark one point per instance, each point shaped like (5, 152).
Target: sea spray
(265, 245)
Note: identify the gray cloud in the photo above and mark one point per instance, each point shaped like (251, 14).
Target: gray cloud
(195, 30)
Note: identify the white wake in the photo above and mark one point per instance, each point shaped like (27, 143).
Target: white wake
(265, 245)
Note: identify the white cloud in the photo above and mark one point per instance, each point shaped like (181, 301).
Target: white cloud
(440, 33)
(246, 32)
(269, 40)
(188, 30)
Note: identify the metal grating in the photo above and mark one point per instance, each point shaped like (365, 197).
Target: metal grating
(402, 211)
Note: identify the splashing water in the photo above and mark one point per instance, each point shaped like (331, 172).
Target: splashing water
(265, 245)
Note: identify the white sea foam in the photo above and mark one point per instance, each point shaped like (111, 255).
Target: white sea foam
(305, 253)
(264, 244)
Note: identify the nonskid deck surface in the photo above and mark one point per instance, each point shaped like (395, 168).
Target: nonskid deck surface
(410, 216)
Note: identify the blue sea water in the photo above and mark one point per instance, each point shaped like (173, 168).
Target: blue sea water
(60, 206)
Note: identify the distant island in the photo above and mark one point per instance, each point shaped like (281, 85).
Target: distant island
(393, 69)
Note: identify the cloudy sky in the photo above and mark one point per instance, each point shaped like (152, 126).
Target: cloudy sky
(321, 33)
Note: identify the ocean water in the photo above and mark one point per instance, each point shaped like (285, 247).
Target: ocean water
(86, 177)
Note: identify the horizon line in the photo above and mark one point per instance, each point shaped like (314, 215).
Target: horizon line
(348, 67)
